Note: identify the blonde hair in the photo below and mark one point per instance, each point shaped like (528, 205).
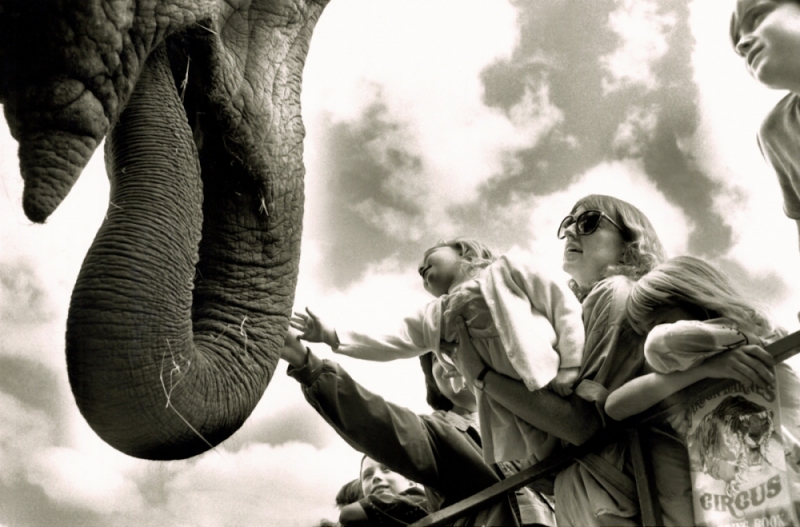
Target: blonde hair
(643, 250)
(686, 281)
(474, 254)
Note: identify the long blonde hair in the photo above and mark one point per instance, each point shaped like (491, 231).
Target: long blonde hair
(643, 249)
(686, 281)
(474, 254)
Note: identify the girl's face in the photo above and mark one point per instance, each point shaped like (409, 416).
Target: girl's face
(440, 269)
(587, 256)
(770, 42)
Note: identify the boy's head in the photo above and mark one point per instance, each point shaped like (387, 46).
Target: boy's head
(766, 34)
(377, 478)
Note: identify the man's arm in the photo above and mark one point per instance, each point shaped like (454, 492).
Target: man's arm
(427, 450)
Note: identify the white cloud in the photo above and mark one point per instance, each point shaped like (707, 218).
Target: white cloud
(431, 86)
(291, 484)
(80, 480)
(24, 430)
(643, 34)
(637, 128)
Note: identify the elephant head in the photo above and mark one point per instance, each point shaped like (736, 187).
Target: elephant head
(180, 308)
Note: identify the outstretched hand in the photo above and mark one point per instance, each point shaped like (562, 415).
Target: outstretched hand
(293, 350)
(749, 364)
(312, 329)
(466, 357)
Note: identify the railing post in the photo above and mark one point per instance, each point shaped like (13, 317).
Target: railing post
(645, 481)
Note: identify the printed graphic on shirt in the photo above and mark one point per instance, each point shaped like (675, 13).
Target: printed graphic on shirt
(737, 460)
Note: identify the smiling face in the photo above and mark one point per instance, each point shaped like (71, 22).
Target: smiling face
(440, 269)
(377, 478)
(587, 256)
(768, 38)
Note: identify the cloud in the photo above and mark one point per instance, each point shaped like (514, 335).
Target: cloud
(637, 129)
(292, 484)
(73, 477)
(642, 29)
(24, 430)
(406, 130)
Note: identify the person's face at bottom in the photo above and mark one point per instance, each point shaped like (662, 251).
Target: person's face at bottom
(586, 256)
(770, 42)
(377, 478)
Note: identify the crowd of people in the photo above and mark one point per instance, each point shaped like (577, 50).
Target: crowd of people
(517, 366)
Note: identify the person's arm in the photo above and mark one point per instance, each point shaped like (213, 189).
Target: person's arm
(570, 418)
(429, 451)
(750, 365)
(408, 341)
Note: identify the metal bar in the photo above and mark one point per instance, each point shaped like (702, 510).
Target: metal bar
(645, 482)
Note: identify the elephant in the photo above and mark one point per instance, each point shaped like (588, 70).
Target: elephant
(179, 311)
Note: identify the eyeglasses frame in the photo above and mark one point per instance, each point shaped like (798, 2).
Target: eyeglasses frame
(575, 221)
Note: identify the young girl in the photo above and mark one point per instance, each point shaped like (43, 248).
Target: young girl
(766, 34)
(524, 325)
(699, 326)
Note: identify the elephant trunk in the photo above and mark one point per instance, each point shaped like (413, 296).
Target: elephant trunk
(154, 376)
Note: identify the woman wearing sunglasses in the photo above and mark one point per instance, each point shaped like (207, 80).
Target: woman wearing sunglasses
(608, 244)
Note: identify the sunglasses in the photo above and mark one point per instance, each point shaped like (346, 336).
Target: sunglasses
(586, 223)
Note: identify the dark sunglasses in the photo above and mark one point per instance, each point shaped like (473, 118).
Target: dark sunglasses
(586, 223)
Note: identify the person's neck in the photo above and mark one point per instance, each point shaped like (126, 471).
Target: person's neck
(457, 281)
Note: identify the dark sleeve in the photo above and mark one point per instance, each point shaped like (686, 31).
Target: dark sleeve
(395, 510)
(425, 449)
(614, 352)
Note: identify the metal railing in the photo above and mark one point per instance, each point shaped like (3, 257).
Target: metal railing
(651, 514)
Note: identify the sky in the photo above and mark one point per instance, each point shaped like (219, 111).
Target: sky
(426, 119)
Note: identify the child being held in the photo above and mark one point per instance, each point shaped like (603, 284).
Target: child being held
(699, 326)
(523, 325)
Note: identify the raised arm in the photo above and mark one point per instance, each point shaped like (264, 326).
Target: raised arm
(410, 340)
(424, 449)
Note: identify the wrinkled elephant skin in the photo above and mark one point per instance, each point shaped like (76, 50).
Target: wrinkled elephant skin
(179, 311)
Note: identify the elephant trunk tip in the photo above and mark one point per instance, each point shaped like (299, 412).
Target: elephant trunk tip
(50, 163)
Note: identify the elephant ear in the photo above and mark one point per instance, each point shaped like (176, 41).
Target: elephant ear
(67, 68)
